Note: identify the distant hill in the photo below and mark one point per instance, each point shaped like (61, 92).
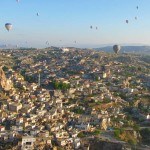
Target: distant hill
(8, 46)
(2, 46)
(128, 49)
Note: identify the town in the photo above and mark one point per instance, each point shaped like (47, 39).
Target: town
(71, 98)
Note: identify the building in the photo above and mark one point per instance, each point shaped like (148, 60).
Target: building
(28, 142)
(65, 49)
(15, 107)
(2, 128)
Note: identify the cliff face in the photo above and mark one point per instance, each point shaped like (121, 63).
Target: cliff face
(4, 83)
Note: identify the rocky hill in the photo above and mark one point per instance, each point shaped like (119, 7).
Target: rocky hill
(5, 84)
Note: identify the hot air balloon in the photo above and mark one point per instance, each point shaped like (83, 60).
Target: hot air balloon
(127, 21)
(116, 48)
(8, 26)
(47, 43)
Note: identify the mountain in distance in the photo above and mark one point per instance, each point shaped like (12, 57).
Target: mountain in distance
(127, 49)
(2, 46)
(8, 46)
(124, 49)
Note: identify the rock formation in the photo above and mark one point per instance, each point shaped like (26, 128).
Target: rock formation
(5, 84)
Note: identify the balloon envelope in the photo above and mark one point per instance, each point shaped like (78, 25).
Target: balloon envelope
(116, 48)
(8, 26)
(127, 21)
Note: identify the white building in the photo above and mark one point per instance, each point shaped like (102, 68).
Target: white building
(65, 49)
(28, 142)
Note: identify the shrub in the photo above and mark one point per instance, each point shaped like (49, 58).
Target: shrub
(97, 132)
(117, 133)
(81, 135)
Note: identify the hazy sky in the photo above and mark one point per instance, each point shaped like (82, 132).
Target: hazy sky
(70, 20)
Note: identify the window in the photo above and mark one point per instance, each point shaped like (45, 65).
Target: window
(28, 143)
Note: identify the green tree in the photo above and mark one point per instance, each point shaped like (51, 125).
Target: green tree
(117, 133)
(136, 127)
(5, 68)
(81, 135)
(97, 132)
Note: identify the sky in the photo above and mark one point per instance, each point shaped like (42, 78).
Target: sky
(62, 22)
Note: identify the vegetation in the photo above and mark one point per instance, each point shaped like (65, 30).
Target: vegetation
(5, 68)
(125, 135)
(136, 127)
(30, 79)
(81, 135)
(117, 134)
(22, 72)
(96, 132)
(60, 85)
(145, 133)
(78, 111)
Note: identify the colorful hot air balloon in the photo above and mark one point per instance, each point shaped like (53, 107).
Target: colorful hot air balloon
(8, 26)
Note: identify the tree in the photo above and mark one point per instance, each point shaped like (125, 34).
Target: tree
(81, 135)
(5, 68)
(136, 127)
(97, 132)
(60, 85)
(22, 72)
(117, 133)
